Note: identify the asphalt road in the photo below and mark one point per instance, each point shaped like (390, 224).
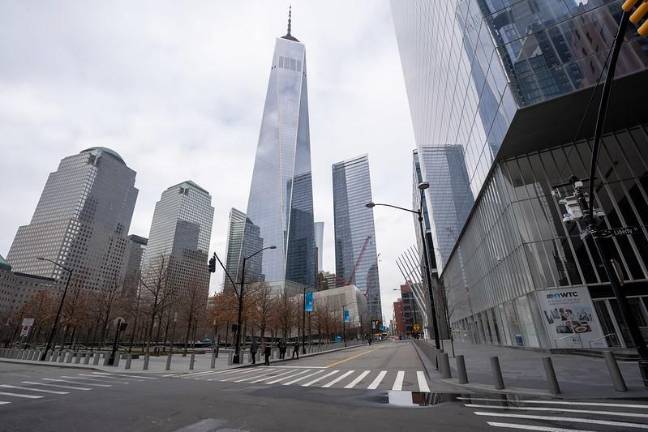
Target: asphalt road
(280, 398)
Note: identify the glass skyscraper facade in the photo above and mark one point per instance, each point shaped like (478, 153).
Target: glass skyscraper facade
(281, 195)
(178, 242)
(240, 227)
(81, 222)
(319, 244)
(509, 81)
(356, 260)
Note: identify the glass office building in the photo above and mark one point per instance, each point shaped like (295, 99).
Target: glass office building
(81, 222)
(510, 82)
(178, 243)
(240, 227)
(281, 195)
(356, 260)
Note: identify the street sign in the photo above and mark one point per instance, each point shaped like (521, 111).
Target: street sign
(27, 324)
(607, 233)
(308, 303)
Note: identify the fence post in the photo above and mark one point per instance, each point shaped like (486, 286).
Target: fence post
(615, 372)
(497, 373)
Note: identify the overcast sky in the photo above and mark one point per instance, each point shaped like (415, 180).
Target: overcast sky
(177, 89)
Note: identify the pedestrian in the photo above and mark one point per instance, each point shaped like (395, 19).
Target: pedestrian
(296, 350)
(253, 350)
(266, 353)
(282, 349)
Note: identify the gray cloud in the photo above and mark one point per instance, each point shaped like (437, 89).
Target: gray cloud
(177, 89)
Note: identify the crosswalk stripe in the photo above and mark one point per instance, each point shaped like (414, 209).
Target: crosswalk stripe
(533, 428)
(83, 379)
(302, 372)
(422, 382)
(375, 383)
(547, 402)
(303, 377)
(56, 386)
(565, 419)
(566, 410)
(20, 395)
(340, 378)
(357, 380)
(96, 378)
(125, 376)
(253, 377)
(398, 382)
(76, 382)
(318, 379)
(4, 403)
(33, 389)
(238, 375)
(272, 376)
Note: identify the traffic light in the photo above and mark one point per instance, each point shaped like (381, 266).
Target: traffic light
(638, 14)
(212, 264)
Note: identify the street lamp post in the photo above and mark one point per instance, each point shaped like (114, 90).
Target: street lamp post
(60, 306)
(419, 213)
(120, 325)
(237, 349)
(344, 326)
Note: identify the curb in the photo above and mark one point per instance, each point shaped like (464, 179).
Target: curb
(50, 364)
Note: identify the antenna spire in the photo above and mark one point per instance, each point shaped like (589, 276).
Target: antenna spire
(289, 18)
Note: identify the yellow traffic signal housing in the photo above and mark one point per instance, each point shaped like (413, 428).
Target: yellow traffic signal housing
(638, 14)
(643, 30)
(628, 5)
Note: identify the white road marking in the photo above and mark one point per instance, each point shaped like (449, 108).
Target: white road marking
(375, 383)
(4, 403)
(398, 382)
(272, 376)
(341, 377)
(548, 402)
(566, 410)
(97, 378)
(319, 378)
(357, 380)
(237, 375)
(301, 367)
(288, 376)
(76, 382)
(57, 386)
(20, 395)
(253, 377)
(82, 380)
(125, 375)
(33, 389)
(301, 378)
(533, 428)
(565, 419)
(422, 382)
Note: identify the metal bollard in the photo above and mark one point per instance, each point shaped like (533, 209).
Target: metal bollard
(117, 358)
(129, 358)
(168, 361)
(212, 365)
(77, 358)
(106, 357)
(68, 358)
(615, 372)
(462, 375)
(552, 381)
(146, 362)
(86, 357)
(192, 360)
(50, 355)
(95, 358)
(435, 354)
(230, 358)
(497, 373)
(444, 366)
(62, 355)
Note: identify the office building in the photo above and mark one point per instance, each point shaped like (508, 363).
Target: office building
(17, 289)
(281, 196)
(132, 269)
(510, 82)
(178, 243)
(356, 260)
(240, 227)
(319, 244)
(81, 222)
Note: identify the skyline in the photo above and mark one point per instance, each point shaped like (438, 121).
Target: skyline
(182, 115)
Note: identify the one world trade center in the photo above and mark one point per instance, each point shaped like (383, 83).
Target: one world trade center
(281, 197)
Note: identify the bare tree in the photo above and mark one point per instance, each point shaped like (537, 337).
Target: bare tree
(157, 294)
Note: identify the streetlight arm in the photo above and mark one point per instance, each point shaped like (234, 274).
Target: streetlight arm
(227, 273)
(260, 250)
(416, 212)
(55, 263)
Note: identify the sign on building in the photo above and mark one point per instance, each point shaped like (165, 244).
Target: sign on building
(308, 303)
(569, 318)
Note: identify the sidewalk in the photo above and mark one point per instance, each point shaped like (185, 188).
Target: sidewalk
(179, 364)
(523, 372)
